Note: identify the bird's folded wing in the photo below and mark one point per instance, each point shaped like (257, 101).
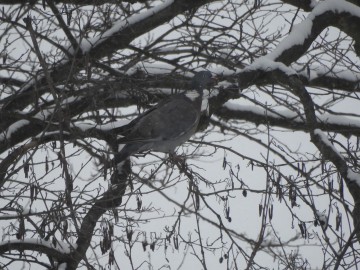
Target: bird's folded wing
(171, 119)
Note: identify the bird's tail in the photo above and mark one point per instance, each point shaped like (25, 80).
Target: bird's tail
(121, 164)
(121, 172)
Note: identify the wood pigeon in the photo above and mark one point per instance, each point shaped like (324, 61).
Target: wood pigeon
(167, 125)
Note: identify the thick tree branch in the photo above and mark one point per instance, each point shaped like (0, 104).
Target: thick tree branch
(112, 198)
(284, 121)
(59, 253)
(325, 14)
(11, 81)
(303, 4)
(259, 76)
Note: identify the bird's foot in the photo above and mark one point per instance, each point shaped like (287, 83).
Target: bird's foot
(178, 160)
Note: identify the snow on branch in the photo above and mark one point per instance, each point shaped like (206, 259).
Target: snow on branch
(290, 115)
(326, 141)
(329, 77)
(349, 173)
(58, 251)
(267, 64)
(316, 72)
(303, 34)
(87, 44)
(6, 135)
(257, 110)
(85, 126)
(287, 118)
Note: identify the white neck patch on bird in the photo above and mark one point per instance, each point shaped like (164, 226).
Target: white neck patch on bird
(192, 94)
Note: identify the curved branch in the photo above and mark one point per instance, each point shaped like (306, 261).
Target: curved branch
(60, 253)
(325, 14)
(11, 81)
(112, 198)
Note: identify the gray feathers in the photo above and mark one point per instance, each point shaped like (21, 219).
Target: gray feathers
(167, 125)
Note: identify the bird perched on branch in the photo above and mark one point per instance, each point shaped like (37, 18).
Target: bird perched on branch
(167, 125)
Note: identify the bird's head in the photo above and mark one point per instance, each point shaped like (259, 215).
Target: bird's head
(201, 80)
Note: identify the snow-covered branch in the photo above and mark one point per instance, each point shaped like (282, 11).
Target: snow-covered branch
(337, 13)
(60, 251)
(288, 119)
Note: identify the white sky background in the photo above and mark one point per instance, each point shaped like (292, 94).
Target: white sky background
(244, 211)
